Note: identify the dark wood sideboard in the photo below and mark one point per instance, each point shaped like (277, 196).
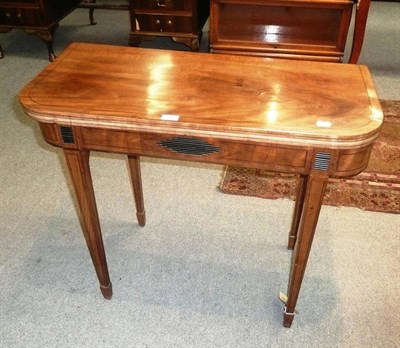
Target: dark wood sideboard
(38, 17)
(182, 20)
(300, 29)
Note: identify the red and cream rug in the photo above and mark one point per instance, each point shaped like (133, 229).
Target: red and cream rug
(375, 189)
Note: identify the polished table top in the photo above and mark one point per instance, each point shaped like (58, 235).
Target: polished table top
(285, 101)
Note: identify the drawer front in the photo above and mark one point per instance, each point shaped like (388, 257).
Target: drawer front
(182, 147)
(188, 148)
(163, 4)
(20, 17)
(224, 152)
(167, 24)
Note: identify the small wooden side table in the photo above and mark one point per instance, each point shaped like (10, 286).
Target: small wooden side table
(182, 20)
(182, 105)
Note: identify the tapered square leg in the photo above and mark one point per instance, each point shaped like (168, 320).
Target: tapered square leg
(136, 177)
(298, 209)
(315, 185)
(78, 165)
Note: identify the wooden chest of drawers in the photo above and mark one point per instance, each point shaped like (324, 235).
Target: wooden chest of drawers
(39, 17)
(301, 29)
(183, 20)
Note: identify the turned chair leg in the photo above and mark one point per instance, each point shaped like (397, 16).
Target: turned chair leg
(91, 12)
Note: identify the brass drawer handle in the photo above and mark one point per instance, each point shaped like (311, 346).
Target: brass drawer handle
(161, 3)
(158, 22)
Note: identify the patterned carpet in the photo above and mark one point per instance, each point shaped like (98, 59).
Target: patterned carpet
(375, 189)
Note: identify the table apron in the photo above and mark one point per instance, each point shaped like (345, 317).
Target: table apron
(266, 156)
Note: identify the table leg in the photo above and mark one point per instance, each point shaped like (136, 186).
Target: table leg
(78, 165)
(298, 209)
(314, 194)
(47, 35)
(91, 13)
(136, 177)
(192, 43)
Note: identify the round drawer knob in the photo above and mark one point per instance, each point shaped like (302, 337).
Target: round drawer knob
(158, 21)
(169, 22)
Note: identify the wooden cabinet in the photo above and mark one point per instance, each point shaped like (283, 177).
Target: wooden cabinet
(183, 20)
(301, 29)
(39, 17)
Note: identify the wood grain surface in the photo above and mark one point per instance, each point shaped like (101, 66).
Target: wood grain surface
(281, 100)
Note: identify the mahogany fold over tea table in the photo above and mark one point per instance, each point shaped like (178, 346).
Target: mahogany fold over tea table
(310, 118)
